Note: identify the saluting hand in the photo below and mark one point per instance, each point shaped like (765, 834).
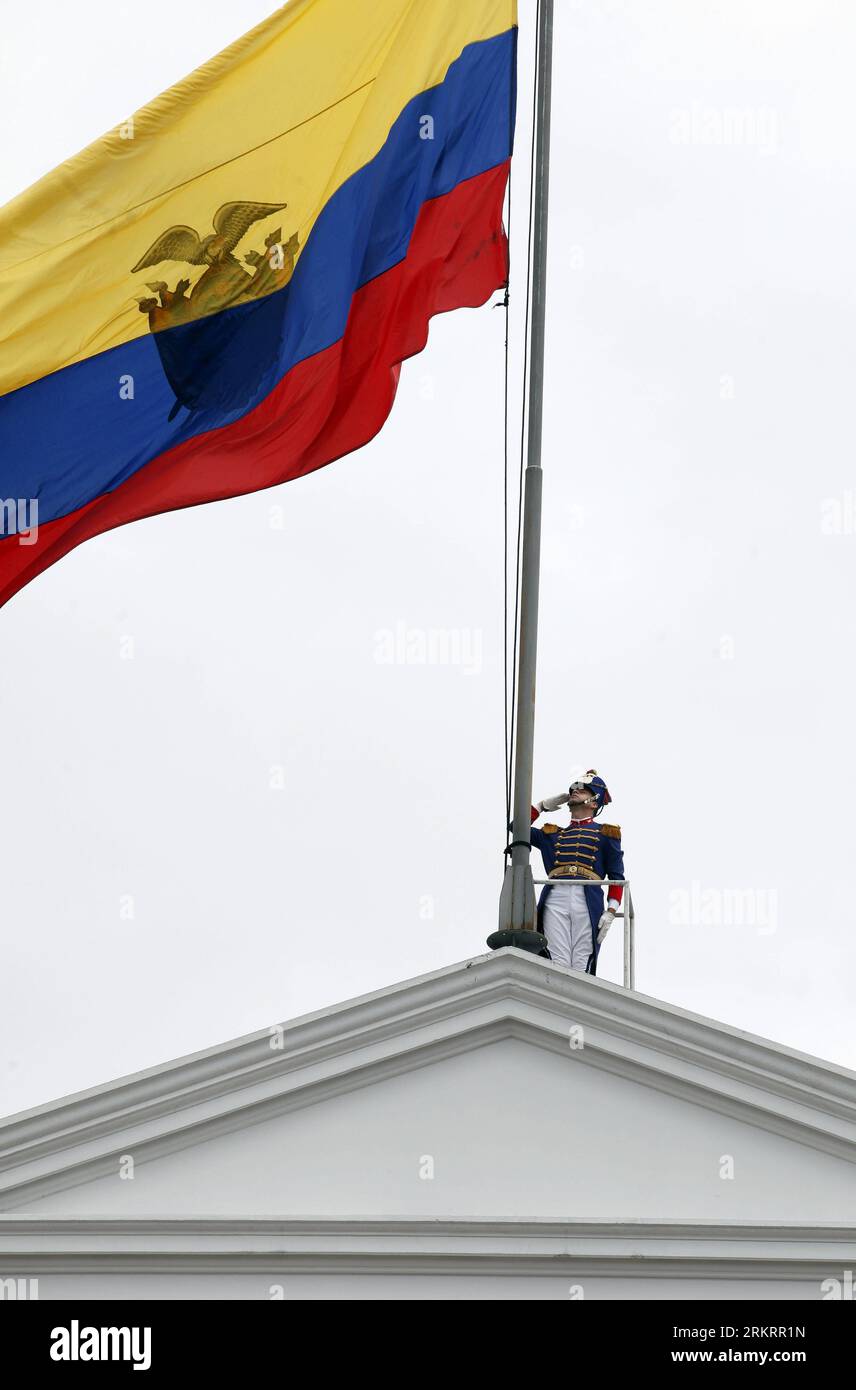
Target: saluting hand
(552, 803)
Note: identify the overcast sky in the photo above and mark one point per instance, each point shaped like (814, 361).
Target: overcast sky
(224, 805)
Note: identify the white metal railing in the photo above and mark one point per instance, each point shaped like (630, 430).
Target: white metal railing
(627, 914)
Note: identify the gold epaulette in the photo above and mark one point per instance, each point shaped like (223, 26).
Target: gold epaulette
(613, 831)
(551, 829)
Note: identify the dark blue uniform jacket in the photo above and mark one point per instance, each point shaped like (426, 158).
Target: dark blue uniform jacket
(581, 851)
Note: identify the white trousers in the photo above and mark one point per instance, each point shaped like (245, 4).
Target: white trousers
(567, 925)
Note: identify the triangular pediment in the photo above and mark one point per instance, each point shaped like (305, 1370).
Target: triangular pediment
(500, 1087)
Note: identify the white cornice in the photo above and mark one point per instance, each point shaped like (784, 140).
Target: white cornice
(638, 1249)
(504, 994)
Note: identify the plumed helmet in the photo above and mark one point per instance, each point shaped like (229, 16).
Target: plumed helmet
(590, 781)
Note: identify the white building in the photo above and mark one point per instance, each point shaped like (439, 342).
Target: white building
(498, 1129)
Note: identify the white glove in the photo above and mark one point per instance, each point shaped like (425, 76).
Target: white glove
(552, 803)
(605, 923)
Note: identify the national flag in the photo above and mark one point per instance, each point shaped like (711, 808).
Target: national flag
(216, 296)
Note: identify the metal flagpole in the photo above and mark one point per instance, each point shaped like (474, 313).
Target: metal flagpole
(517, 899)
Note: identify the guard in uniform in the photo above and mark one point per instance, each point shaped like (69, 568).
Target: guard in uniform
(571, 913)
